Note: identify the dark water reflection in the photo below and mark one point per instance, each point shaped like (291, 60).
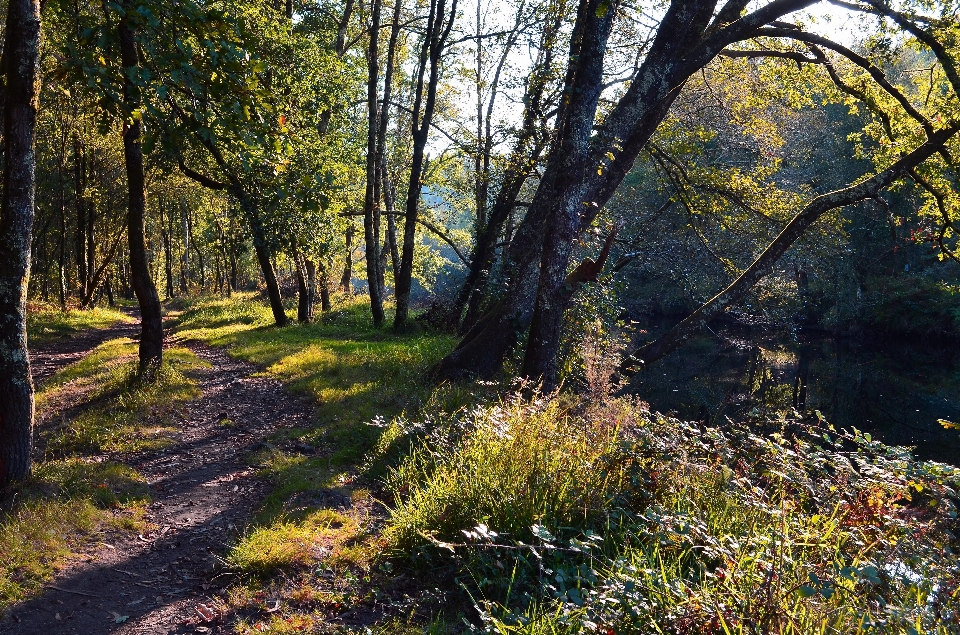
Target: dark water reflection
(896, 391)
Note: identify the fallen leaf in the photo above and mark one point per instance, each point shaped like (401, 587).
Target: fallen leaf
(272, 609)
(119, 619)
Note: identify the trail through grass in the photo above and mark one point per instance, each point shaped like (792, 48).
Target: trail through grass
(89, 408)
(46, 323)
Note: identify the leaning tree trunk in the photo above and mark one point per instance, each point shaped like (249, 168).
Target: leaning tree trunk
(573, 154)
(870, 188)
(263, 256)
(16, 226)
(151, 324)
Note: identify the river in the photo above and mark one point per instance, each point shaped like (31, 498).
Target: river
(896, 391)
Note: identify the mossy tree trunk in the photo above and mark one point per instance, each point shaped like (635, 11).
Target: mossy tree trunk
(21, 51)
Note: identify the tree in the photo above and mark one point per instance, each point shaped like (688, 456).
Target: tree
(439, 23)
(585, 167)
(151, 322)
(20, 63)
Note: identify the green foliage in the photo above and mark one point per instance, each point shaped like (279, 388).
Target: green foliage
(659, 522)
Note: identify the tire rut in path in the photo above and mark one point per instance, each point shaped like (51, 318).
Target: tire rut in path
(204, 493)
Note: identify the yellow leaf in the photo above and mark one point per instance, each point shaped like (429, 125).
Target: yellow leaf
(949, 425)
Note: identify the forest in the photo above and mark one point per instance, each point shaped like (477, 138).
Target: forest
(448, 316)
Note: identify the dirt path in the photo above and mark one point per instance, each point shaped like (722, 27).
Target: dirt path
(204, 494)
(49, 357)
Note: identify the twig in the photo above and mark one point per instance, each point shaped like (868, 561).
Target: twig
(89, 595)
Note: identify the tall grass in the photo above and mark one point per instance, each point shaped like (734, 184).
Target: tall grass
(555, 516)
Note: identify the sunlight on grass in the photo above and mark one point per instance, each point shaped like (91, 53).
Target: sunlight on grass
(291, 543)
(353, 371)
(45, 322)
(93, 406)
(102, 406)
(58, 511)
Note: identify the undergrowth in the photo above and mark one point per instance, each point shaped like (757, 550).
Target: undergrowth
(559, 516)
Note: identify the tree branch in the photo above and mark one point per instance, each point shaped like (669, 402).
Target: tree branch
(678, 335)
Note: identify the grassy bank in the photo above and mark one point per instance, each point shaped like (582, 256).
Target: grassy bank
(316, 543)
(46, 322)
(75, 497)
(413, 508)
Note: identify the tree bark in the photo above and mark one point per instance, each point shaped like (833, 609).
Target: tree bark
(573, 154)
(346, 280)
(79, 186)
(685, 42)
(21, 52)
(371, 206)
(151, 324)
(324, 283)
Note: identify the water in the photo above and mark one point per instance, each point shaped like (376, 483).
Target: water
(896, 391)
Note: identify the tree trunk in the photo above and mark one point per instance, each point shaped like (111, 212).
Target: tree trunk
(20, 54)
(91, 242)
(438, 28)
(324, 281)
(151, 324)
(346, 280)
(167, 249)
(371, 206)
(389, 199)
(305, 272)
(684, 43)
(573, 154)
(269, 275)
(79, 186)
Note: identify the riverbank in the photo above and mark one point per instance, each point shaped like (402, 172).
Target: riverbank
(399, 506)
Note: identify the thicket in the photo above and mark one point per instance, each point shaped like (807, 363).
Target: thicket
(554, 514)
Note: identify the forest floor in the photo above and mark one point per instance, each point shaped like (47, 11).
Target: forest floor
(203, 493)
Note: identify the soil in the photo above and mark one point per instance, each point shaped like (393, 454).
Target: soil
(204, 494)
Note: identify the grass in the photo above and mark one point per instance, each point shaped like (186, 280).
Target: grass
(318, 555)
(356, 374)
(89, 408)
(46, 322)
(102, 407)
(559, 514)
(561, 518)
